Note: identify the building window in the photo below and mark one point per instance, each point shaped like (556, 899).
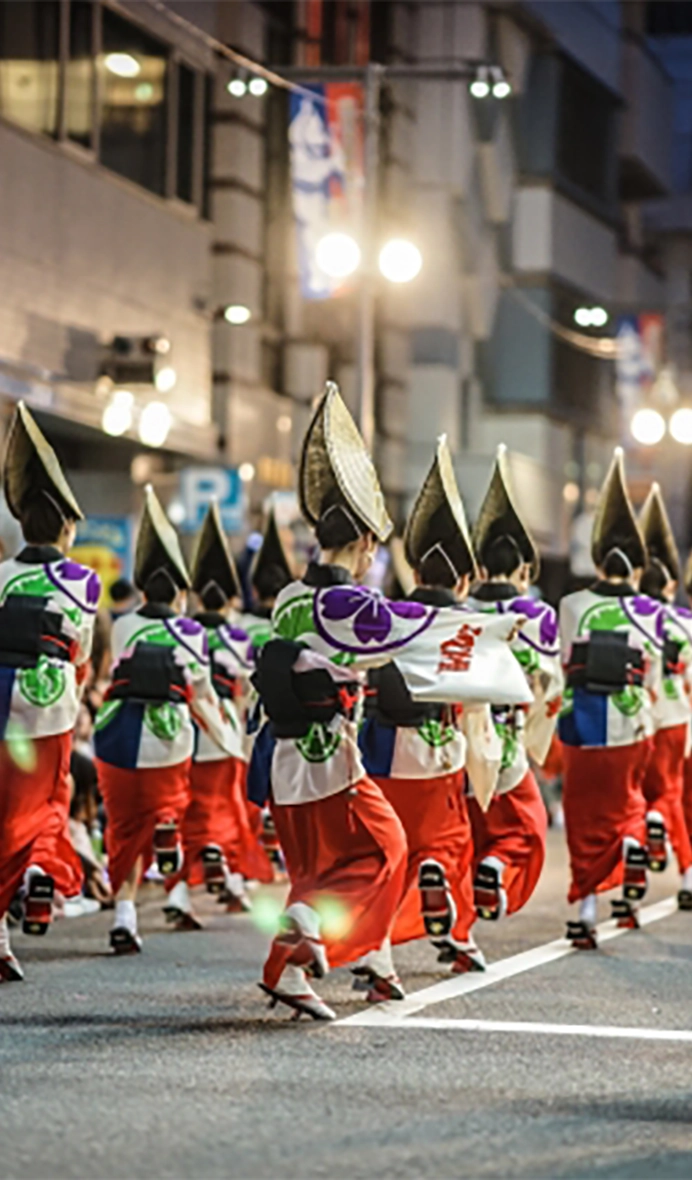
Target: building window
(585, 144)
(29, 63)
(79, 74)
(185, 157)
(668, 18)
(134, 71)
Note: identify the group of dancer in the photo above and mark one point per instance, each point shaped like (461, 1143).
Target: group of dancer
(382, 748)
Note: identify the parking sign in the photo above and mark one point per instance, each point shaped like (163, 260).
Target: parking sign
(200, 485)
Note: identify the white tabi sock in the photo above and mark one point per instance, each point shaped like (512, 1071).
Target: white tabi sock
(380, 961)
(686, 882)
(125, 916)
(587, 910)
(5, 948)
(494, 862)
(179, 898)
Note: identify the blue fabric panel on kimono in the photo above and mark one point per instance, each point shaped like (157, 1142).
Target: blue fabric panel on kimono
(259, 774)
(376, 744)
(7, 676)
(118, 742)
(587, 723)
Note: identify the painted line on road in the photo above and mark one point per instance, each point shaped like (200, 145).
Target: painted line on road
(531, 1026)
(397, 1012)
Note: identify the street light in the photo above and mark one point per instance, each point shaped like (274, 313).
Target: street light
(680, 426)
(165, 379)
(338, 255)
(237, 87)
(258, 87)
(154, 424)
(400, 260)
(117, 416)
(648, 427)
(237, 313)
(480, 87)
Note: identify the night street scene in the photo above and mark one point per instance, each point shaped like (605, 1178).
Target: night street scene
(345, 589)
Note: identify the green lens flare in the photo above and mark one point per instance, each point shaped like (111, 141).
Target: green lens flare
(20, 747)
(335, 918)
(266, 913)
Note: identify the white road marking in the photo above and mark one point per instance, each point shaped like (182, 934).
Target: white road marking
(532, 1026)
(397, 1012)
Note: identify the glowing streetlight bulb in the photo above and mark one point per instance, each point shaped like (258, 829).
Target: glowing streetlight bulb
(681, 426)
(165, 379)
(338, 255)
(400, 260)
(237, 87)
(599, 317)
(154, 424)
(501, 89)
(258, 87)
(246, 472)
(479, 88)
(117, 416)
(648, 427)
(582, 317)
(237, 313)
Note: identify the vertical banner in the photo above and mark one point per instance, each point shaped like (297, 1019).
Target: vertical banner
(326, 142)
(639, 355)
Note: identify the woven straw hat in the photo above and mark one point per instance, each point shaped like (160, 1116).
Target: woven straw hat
(212, 561)
(438, 518)
(335, 458)
(657, 531)
(157, 545)
(271, 570)
(499, 516)
(615, 525)
(31, 464)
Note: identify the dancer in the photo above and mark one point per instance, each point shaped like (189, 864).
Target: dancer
(415, 751)
(217, 841)
(611, 661)
(344, 845)
(509, 839)
(144, 729)
(664, 774)
(47, 609)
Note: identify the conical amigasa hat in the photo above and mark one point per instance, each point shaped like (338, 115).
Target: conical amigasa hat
(212, 561)
(334, 457)
(438, 517)
(499, 516)
(271, 566)
(31, 462)
(657, 531)
(615, 525)
(157, 545)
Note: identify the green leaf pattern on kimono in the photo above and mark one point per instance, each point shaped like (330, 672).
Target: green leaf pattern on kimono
(319, 743)
(43, 685)
(435, 734)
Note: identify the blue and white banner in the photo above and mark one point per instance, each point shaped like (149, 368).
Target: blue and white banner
(326, 142)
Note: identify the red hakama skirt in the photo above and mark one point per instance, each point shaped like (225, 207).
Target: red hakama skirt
(604, 803)
(216, 814)
(663, 787)
(346, 857)
(136, 801)
(436, 822)
(33, 812)
(514, 830)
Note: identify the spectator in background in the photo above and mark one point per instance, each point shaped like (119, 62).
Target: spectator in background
(124, 598)
(84, 826)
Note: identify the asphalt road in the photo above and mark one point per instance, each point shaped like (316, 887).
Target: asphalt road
(170, 1065)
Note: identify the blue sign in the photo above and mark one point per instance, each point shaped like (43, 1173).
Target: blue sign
(199, 486)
